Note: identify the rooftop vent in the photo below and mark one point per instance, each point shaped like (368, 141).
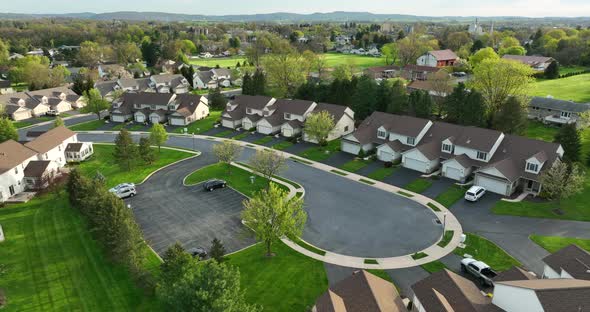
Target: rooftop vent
(468, 141)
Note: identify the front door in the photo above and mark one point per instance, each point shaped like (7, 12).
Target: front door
(11, 189)
(533, 186)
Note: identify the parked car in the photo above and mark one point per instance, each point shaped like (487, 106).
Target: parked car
(198, 252)
(459, 74)
(214, 184)
(481, 271)
(52, 112)
(124, 190)
(474, 193)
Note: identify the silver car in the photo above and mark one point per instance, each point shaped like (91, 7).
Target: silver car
(124, 190)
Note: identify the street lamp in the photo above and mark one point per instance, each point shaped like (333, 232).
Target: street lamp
(444, 222)
(194, 141)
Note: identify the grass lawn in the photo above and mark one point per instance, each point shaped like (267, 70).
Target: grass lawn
(419, 255)
(88, 126)
(537, 130)
(223, 62)
(418, 186)
(571, 69)
(282, 145)
(555, 243)
(103, 161)
(449, 197)
(53, 264)
(355, 165)
(288, 281)
(21, 124)
(200, 126)
(486, 251)
(224, 134)
(239, 179)
(434, 266)
(309, 247)
(319, 153)
(573, 88)
(382, 173)
(446, 238)
(241, 135)
(263, 140)
(360, 61)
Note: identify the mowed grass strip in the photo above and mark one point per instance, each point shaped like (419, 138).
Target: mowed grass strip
(88, 126)
(452, 195)
(282, 145)
(446, 239)
(309, 247)
(418, 186)
(434, 266)
(319, 153)
(555, 243)
(53, 264)
(355, 165)
(486, 251)
(289, 281)
(382, 173)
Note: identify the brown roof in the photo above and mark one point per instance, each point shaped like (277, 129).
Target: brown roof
(444, 55)
(12, 154)
(188, 103)
(572, 259)
(362, 292)
(420, 68)
(296, 107)
(50, 139)
(425, 85)
(378, 69)
(480, 139)
(458, 291)
(337, 111)
(252, 101)
(514, 274)
(36, 168)
(528, 59)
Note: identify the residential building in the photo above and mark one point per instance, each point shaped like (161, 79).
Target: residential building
(165, 83)
(538, 63)
(418, 72)
(475, 29)
(6, 87)
(27, 166)
(271, 116)
(113, 71)
(501, 163)
(383, 72)
(24, 105)
(554, 111)
(438, 58)
(212, 78)
(569, 262)
(174, 109)
(169, 83)
(360, 292)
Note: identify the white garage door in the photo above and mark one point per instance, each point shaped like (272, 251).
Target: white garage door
(247, 124)
(453, 173)
(177, 122)
(350, 148)
(118, 118)
(385, 155)
(264, 129)
(139, 118)
(415, 164)
(155, 119)
(288, 132)
(492, 185)
(227, 123)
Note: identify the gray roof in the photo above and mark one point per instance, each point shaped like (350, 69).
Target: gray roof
(558, 105)
(252, 101)
(205, 76)
(572, 259)
(480, 139)
(531, 60)
(166, 78)
(36, 168)
(146, 98)
(514, 274)
(104, 87)
(337, 111)
(5, 83)
(295, 107)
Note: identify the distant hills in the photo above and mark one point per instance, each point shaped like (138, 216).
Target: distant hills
(281, 17)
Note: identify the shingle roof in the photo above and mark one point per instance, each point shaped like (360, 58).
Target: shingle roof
(74, 147)
(480, 139)
(296, 107)
(12, 154)
(36, 168)
(528, 59)
(514, 274)
(104, 87)
(559, 105)
(146, 98)
(444, 55)
(572, 259)
(337, 111)
(5, 83)
(419, 68)
(557, 294)
(50, 139)
(252, 101)
(188, 103)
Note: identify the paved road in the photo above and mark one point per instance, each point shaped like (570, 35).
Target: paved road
(68, 122)
(343, 216)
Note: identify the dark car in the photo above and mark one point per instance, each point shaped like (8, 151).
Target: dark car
(214, 184)
(198, 252)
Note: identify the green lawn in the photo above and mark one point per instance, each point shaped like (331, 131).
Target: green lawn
(21, 124)
(434, 266)
(573, 88)
(223, 62)
(418, 186)
(88, 126)
(486, 251)
(319, 153)
(446, 238)
(200, 126)
(239, 179)
(288, 281)
(263, 140)
(555, 243)
(53, 264)
(538, 130)
(355, 165)
(103, 161)
(282, 145)
(241, 135)
(452, 195)
(382, 173)
(224, 134)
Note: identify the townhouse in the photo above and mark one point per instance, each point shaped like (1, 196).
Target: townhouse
(166, 83)
(268, 115)
(499, 162)
(28, 104)
(212, 78)
(174, 109)
(27, 166)
(569, 262)
(554, 111)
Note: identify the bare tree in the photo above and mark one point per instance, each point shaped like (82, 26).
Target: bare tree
(268, 163)
(227, 152)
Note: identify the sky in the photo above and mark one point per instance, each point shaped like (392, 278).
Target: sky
(532, 8)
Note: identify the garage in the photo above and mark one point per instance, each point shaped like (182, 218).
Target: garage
(247, 124)
(228, 123)
(155, 119)
(453, 173)
(415, 164)
(140, 117)
(178, 122)
(118, 118)
(287, 132)
(350, 147)
(264, 129)
(494, 185)
(384, 155)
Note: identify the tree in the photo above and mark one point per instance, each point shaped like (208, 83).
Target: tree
(499, 79)
(127, 52)
(217, 250)
(343, 72)
(176, 262)
(364, 100)
(511, 117)
(94, 103)
(481, 55)
(272, 215)
(125, 150)
(420, 104)
(390, 51)
(412, 46)
(457, 40)
(268, 163)
(145, 150)
(569, 138)
(440, 83)
(518, 50)
(477, 45)
(216, 99)
(58, 122)
(561, 181)
(285, 71)
(158, 135)
(258, 82)
(465, 107)
(7, 130)
(247, 88)
(227, 152)
(552, 71)
(392, 96)
(318, 126)
(150, 51)
(4, 52)
(89, 54)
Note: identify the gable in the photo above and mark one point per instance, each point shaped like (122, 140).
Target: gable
(264, 122)
(415, 154)
(385, 147)
(493, 172)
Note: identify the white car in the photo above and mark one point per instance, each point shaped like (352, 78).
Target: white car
(124, 190)
(52, 112)
(474, 193)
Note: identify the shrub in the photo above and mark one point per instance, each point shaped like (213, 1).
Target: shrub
(388, 164)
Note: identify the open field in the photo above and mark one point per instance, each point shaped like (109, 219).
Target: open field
(573, 88)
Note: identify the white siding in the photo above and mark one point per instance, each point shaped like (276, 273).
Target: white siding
(414, 160)
(515, 299)
(493, 185)
(453, 170)
(349, 147)
(230, 123)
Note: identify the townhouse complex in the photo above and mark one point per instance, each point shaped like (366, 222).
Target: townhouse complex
(165, 83)
(24, 105)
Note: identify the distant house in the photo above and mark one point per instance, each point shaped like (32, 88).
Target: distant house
(23, 105)
(418, 72)
(360, 292)
(167, 83)
(212, 78)
(383, 72)
(113, 71)
(438, 58)
(172, 67)
(554, 111)
(569, 262)
(538, 63)
(6, 87)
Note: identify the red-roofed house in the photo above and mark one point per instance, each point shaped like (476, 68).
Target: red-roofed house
(438, 58)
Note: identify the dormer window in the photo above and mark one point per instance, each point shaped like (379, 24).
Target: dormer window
(532, 167)
(448, 148)
(382, 134)
(249, 111)
(411, 141)
(287, 116)
(482, 155)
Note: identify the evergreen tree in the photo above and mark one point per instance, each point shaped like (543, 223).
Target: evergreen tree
(216, 100)
(552, 71)
(217, 250)
(392, 97)
(511, 117)
(569, 138)
(146, 152)
(125, 150)
(188, 72)
(465, 107)
(259, 83)
(420, 104)
(176, 261)
(247, 84)
(364, 100)
(477, 45)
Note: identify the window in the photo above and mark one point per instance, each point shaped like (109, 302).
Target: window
(249, 110)
(16, 170)
(447, 148)
(482, 155)
(287, 116)
(532, 167)
(566, 114)
(410, 141)
(381, 134)
(346, 128)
